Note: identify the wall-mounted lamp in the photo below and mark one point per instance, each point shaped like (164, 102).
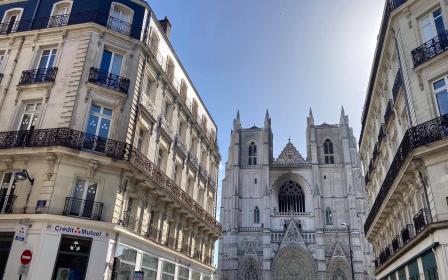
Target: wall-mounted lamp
(22, 176)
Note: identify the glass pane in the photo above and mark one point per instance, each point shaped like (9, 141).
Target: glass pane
(195, 276)
(439, 84)
(95, 109)
(78, 192)
(104, 128)
(183, 272)
(150, 262)
(92, 124)
(126, 272)
(44, 59)
(149, 274)
(116, 64)
(91, 191)
(126, 254)
(29, 107)
(105, 61)
(167, 277)
(440, 27)
(107, 112)
(168, 267)
(426, 29)
(26, 120)
(442, 100)
(38, 105)
(52, 58)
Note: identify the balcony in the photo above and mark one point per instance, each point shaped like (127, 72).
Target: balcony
(397, 243)
(398, 83)
(38, 76)
(87, 209)
(53, 21)
(415, 137)
(389, 112)
(109, 80)
(421, 220)
(119, 25)
(10, 27)
(407, 233)
(381, 135)
(430, 49)
(7, 203)
(193, 160)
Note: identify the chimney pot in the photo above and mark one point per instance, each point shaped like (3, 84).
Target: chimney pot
(166, 25)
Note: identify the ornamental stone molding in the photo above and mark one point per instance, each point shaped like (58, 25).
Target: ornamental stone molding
(294, 262)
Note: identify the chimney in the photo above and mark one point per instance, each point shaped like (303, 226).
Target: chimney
(166, 25)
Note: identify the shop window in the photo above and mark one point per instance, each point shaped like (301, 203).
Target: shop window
(73, 258)
(168, 271)
(430, 266)
(127, 257)
(413, 270)
(149, 267)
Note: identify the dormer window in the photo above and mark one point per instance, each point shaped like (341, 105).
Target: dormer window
(120, 18)
(60, 14)
(11, 21)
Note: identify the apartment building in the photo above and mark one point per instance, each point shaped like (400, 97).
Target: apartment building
(108, 155)
(404, 144)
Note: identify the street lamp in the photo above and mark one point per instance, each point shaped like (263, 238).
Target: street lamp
(22, 176)
(345, 225)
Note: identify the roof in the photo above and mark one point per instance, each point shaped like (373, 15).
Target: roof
(289, 155)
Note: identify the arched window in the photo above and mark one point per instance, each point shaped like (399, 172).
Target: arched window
(256, 215)
(252, 159)
(328, 152)
(251, 273)
(339, 275)
(60, 14)
(120, 18)
(328, 216)
(154, 41)
(291, 198)
(11, 21)
(170, 69)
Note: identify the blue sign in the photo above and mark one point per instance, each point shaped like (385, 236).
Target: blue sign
(138, 275)
(41, 203)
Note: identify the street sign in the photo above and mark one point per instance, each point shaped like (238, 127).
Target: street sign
(23, 269)
(138, 275)
(26, 257)
(41, 203)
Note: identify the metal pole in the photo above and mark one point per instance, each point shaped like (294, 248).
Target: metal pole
(351, 254)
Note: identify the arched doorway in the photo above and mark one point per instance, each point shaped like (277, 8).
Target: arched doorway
(249, 269)
(293, 263)
(291, 198)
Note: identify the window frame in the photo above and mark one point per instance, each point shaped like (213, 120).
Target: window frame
(52, 52)
(19, 17)
(69, 4)
(36, 114)
(328, 148)
(112, 59)
(430, 15)
(121, 8)
(328, 216)
(256, 215)
(252, 154)
(437, 91)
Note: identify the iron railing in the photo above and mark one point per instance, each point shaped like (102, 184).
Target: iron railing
(407, 233)
(119, 25)
(54, 21)
(7, 203)
(389, 112)
(82, 208)
(41, 75)
(10, 27)
(131, 222)
(109, 80)
(397, 243)
(430, 49)
(153, 232)
(421, 220)
(417, 136)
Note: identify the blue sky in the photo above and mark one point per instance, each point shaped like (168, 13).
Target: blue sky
(281, 55)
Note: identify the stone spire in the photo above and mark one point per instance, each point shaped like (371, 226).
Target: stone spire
(310, 118)
(236, 121)
(343, 120)
(267, 119)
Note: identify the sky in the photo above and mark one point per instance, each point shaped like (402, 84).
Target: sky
(282, 55)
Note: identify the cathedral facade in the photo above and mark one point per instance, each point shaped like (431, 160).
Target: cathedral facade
(291, 218)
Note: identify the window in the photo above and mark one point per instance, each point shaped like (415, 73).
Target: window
(178, 174)
(141, 135)
(111, 62)
(82, 202)
(328, 152)
(432, 25)
(120, 18)
(127, 258)
(195, 275)
(441, 91)
(167, 111)
(160, 158)
(413, 270)
(30, 115)
(100, 120)
(60, 14)
(47, 58)
(2, 61)
(328, 216)
(149, 267)
(430, 266)
(190, 186)
(291, 198)
(154, 41)
(183, 90)
(183, 273)
(73, 257)
(252, 159)
(201, 197)
(256, 215)
(204, 122)
(11, 21)
(251, 273)
(168, 271)
(170, 69)
(7, 189)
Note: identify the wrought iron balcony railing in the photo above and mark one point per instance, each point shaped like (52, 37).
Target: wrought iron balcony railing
(398, 83)
(421, 220)
(383, 257)
(381, 135)
(119, 25)
(7, 203)
(430, 49)
(389, 112)
(111, 148)
(109, 80)
(417, 136)
(407, 233)
(82, 208)
(9, 27)
(131, 222)
(397, 243)
(36, 76)
(54, 21)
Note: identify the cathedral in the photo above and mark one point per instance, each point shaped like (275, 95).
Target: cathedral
(290, 217)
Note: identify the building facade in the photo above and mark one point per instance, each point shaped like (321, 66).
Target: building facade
(290, 217)
(403, 143)
(108, 156)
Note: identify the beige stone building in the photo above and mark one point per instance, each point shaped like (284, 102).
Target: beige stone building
(403, 142)
(108, 156)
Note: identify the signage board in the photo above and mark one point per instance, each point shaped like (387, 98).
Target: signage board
(41, 203)
(21, 231)
(78, 231)
(26, 257)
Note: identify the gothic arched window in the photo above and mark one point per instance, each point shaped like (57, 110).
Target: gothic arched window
(252, 159)
(256, 215)
(339, 275)
(328, 216)
(251, 273)
(328, 152)
(291, 198)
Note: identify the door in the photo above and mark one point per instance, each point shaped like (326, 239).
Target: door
(98, 128)
(120, 19)
(11, 24)
(73, 258)
(7, 189)
(6, 239)
(111, 62)
(83, 199)
(433, 32)
(30, 116)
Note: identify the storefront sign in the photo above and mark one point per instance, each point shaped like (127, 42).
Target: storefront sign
(21, 232)
(138, 275)
(78, 231)
(26, 257)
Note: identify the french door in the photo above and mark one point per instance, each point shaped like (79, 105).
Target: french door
(7, 189)
(83, 198)
(98, 128)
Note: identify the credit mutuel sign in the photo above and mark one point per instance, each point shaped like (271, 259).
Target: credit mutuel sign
(78, 231)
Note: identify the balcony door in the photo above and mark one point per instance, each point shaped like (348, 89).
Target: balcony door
(7, 189)
(30, 116)
(83, 198)
(60, 15)
(111, 62)
(432, 25)
(120, 19)
(98, 128)
(11, 22)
